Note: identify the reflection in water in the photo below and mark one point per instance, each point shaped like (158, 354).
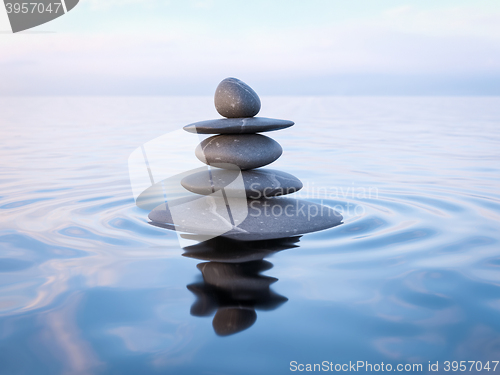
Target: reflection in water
(232, 285)
(88, 287)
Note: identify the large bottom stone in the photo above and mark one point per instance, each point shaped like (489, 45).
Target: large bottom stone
(248, 220)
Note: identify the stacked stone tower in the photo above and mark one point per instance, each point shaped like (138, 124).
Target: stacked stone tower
(235, 154)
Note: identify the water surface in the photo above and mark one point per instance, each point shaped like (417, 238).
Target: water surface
(87, 286)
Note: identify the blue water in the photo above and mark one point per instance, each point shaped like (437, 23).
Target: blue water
(87, 286)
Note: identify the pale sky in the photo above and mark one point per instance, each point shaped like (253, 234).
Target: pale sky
(349, 47)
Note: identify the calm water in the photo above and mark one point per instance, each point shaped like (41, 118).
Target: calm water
(87, 286)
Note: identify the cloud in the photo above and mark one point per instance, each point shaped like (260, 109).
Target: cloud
(450, 21)
(403, 40)
(202, 4)
(100, 5)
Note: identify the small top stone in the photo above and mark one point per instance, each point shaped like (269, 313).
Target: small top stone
(234, 98)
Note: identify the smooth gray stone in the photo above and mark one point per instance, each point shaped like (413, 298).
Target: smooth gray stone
(238, 125)
(259, 183)
(266, 218)
(242, 151)
(234, 98)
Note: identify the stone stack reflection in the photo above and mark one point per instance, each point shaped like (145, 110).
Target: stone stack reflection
(232, 286)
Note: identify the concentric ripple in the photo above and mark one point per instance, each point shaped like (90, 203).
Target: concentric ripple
(87, 285)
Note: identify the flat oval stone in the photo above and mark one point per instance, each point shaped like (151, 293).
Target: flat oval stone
(238, 125)
(243, 151)
(257, 183)
(234, 98)
(264, 218)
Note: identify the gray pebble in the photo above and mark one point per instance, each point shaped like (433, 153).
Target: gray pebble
(238, 125)
(234, 98)
(245, 151)
(258, 183)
